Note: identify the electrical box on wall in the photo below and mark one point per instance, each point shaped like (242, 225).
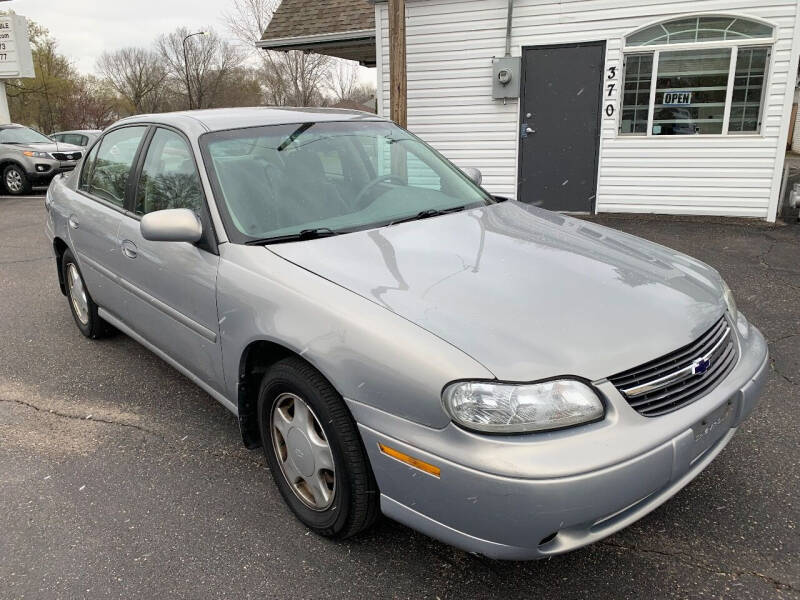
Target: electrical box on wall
(506, 72)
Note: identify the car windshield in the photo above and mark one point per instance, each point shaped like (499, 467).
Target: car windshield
(336, 177)
(22, 135)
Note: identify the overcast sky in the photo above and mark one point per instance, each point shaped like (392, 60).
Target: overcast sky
(85, 28)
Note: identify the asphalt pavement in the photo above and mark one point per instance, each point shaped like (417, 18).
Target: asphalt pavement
(121, 479)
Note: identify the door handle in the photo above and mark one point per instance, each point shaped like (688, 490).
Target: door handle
(73, 222)
(129, 249)
(526, 130)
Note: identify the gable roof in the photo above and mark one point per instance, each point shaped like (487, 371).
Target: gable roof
(344, 28)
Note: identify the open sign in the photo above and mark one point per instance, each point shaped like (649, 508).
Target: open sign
(677, 98)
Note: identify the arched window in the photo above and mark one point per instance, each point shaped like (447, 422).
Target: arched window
(699, 29)
(695, 75)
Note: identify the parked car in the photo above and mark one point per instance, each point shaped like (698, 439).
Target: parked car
(512, 381)
(77, 137)
(29, 158)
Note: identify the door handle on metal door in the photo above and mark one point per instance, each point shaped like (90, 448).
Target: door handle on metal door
(129, 249)
(73, 222)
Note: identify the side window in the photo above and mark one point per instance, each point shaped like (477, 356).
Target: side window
(113, 164)
(86, 169)
(169, 177)
(82, 140)
(58, 137)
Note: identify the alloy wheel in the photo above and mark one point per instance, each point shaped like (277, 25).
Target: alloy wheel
(14, 180)
(303, 452)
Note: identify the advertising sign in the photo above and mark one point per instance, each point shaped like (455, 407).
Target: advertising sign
(15, 49)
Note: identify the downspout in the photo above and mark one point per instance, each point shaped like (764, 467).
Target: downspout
(509, 20)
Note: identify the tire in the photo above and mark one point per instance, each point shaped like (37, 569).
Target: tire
(353, 503)
(15, 180)
(83, 308)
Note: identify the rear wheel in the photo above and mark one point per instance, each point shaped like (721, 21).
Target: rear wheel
(83, 308)
(314, 451)
(16, 180)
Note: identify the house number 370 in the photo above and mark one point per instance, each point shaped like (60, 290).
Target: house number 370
(610, 91)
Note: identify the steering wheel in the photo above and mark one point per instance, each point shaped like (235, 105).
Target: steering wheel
(379, 179)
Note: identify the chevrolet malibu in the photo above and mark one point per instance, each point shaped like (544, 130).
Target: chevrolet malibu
(511, 381)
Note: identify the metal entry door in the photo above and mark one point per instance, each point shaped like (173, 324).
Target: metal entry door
(560, 125)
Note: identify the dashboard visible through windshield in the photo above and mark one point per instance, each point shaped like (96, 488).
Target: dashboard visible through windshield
(277, 182)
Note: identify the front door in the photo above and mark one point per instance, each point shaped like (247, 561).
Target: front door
(171, 286)
(560, 125)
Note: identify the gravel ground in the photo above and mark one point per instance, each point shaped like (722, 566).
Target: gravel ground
(119, 478)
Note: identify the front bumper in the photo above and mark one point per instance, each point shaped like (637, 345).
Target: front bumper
(526, 497)
(42, 171)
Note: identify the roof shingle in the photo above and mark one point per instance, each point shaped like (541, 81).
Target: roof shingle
(300, 18)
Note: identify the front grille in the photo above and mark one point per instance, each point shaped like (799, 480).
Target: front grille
(681, 377)
(66, 155)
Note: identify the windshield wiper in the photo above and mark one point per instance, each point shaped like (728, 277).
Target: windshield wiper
(427, 214)
(305, 234)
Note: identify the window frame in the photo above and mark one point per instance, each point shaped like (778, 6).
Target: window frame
(208, 241)
(143, 160)
(98, 143)
(732, 45)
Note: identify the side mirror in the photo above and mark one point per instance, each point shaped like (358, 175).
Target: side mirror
(474, 174)
(171, 225)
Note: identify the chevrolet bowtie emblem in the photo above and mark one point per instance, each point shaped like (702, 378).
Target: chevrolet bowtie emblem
(700, 366)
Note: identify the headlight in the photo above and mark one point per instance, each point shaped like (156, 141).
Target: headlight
(517, 408)
(728, 295)
(36, 154)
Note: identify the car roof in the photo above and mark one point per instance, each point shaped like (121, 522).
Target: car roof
(81, 131)
(217, 119)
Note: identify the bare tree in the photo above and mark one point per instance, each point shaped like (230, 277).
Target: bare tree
(94, 104)
(289, 78)
(247, 21)
(343, 80)
(211, 60)
(137, 75)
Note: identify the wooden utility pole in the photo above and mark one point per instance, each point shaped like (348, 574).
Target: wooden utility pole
(398, 83)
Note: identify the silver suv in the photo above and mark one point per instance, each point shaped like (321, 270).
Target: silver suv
(29, 158)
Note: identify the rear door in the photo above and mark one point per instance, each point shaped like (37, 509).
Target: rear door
(560, 125)
(96, 207)
(171, 286)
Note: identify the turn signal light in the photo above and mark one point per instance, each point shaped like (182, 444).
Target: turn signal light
(410, 460)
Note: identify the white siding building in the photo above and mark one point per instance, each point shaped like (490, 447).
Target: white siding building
(696, 121)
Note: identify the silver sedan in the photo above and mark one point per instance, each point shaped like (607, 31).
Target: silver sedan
(514, 382)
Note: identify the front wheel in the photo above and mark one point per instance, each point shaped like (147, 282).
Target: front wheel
(314, 451)
(16, 180)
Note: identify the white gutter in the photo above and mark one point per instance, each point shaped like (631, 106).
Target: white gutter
(321, 38)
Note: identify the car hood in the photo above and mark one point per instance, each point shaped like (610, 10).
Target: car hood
(50, 147)
(528, 293)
